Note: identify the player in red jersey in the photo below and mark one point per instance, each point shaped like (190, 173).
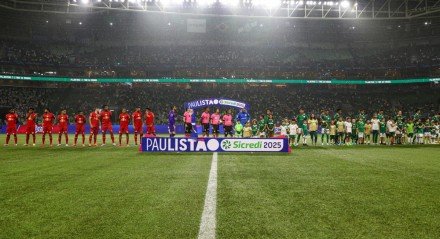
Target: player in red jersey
(11, 128)
(149, 121)
(106, 124)
(137, 124)
(80, 121)
(94, 126)
(48, 119)
(31, 122)
(124, 121)
(63, 123)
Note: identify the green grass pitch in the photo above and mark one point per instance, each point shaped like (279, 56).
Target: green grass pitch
(315, 192)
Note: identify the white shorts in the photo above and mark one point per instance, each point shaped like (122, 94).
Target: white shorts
(325, 131)
(420, 135)
(382, 135)
(427, 134)
(300, 131)
(360, 135)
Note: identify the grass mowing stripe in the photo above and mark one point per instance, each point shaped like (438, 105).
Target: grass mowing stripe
(208, 222)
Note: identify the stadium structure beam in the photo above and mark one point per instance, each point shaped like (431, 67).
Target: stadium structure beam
(338, 9)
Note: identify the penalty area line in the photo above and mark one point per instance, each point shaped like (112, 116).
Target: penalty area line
(208, 221)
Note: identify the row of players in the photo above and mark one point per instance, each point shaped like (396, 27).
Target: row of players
(334, 130)
(98, 120)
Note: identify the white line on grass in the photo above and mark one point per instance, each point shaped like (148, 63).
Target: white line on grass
(208, 222)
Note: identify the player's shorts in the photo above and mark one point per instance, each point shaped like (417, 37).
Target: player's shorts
(105, 128)
(11, 130)
(151, 129)
(47, 129)
(171, 128)
(215, 129)
(410, 135)
(228, 129)
(188, 128)
(427, 134)
(325, 131)
(420, 135)
(382, 135)
(300, 131)
(205, 128)
(94, 130)
(360, 135)
(63, 129)
(30, 129)
(138, 129)
(123, 129)
(80, 129)
(292, 136)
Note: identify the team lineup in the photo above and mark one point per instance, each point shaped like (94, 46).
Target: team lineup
(334, 130)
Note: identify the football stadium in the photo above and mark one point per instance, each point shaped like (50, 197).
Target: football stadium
(219, 119)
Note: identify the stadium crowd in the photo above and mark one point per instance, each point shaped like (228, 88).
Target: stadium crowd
(217, 61)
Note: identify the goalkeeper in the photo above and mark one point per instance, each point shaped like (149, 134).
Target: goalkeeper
(238, 129)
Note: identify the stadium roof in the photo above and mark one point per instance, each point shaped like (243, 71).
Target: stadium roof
(320, 9)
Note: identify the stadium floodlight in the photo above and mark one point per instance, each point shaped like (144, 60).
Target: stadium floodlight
(267, 4)
(230, 3)
(345, 4)
(85, 1)
(205, 3)
(168, 3)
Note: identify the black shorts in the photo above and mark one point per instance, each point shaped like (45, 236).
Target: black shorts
(228, 129)
(215, 129)
(188, 128)
(205, 128)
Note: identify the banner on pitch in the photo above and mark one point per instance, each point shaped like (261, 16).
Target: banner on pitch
(160, 144)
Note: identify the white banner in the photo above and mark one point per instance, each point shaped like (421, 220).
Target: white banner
(196, 25)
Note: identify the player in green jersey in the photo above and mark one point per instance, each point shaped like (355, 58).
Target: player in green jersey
(262, 127)
(300, 118)
(380, 115)
(419, 128)
(436, 118)
(305, 132)
(325, 126)
(362, 116)
(254, 127)
(337, 115)
(382, 131)
(417, 115)
(270, 127)
(361, 131)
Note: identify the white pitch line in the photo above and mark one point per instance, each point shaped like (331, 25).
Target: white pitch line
(208, 222)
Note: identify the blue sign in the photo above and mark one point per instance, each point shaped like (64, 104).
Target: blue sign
(161, 144)
(202, 103)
